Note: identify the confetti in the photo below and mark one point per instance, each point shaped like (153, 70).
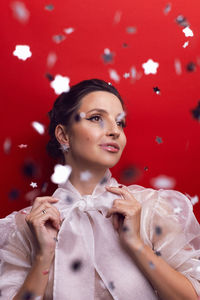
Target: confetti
(111, 285)
(125, 228)
(44, 187)
(28, 296)
(113, 75)
(55, 239)
(107, 56)
(156, 90)
(33, 185)
(85, 176)
(117, 17)
(177, 210)
(51, 59)
(194, 200)
(58, 38)
(22, 52)
(187, 31)
(29, 169)
(158, 253)
(20, 12)
(191, 67)
(7, 145)
(49, 76)
(185, 44)
(69, 200)
(181, 20)
(60, 84)
(167, 8)
(22, 146)
(76, 265)
(131, 30)
(49, 7)
(146, 168)
(158, 230)
(104, 180)
(151, 265)
(14, 194)
(159, 140)
(177, 65)
(121, 116)
(38, 127)
(163, 182)
(196, 112)
(79, 116)
(126, 75)
(130, 174)
(61, 173)
(150, 67)
(124, 45)
(69, 30)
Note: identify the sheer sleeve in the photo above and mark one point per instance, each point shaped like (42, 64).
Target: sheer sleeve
(169, 226)
(15, 254)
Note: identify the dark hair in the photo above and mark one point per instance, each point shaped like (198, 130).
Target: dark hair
(66, 106)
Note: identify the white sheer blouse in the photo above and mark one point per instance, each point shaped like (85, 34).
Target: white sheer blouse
(89, 260)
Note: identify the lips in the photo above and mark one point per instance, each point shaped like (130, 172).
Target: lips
(111, 147)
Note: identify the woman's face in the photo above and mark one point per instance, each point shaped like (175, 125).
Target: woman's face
(97, 139)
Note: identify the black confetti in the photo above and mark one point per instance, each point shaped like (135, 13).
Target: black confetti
(29, 169)
(158, 253)
(124, 45)
(69, 199)
(146, 168)
(108, 57)
(125, 228)
(44, 187)
(191, 67)
(49, 7)
(111, 285)
(49, 76)
(182, 21)
(28, 296)
(159, 140)
(158, 230)
(76, 265)
(103, 180)
(151, 265)
(55, 239)
(129, 174)
(156, 90)
(58, 38)
(14, 194)
(196, 112)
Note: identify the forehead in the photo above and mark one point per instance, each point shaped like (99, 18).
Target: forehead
(101, 100)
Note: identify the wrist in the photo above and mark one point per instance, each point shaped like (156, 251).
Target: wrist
(44, 260)
(137, 246)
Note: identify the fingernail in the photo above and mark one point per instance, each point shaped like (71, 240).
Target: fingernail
(120, 186)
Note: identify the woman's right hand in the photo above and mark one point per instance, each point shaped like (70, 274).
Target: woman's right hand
(44, 222)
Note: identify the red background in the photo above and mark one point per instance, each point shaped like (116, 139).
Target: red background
(26, 94)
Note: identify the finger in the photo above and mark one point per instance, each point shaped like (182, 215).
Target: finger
(45, 206)
(121, 191)
(40, 200)
(40, 219)
(118, 209)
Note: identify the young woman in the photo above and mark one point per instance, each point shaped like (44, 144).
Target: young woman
(96, 239)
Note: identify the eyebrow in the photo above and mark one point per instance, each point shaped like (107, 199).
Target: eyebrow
(100, 110)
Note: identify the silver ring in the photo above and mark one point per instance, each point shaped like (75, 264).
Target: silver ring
(44, 211)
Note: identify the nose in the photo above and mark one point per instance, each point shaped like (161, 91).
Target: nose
(113, 130)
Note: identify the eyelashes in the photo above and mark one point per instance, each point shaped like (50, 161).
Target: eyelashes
(98, 118)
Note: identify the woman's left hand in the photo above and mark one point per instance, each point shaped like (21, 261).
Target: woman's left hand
(126, 213)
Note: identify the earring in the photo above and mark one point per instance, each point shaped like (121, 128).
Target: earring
(64, 148)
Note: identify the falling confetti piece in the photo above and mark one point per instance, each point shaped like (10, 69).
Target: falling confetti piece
(117, 17)
(191, 67)
(182, 21)
(151, 265)
(126, 75)
(187, 31)
(14, 194)
(85, 176)
(178, 67)
(111, 285)
(38, 127)
(20, 12)
(107, 56)
(49, 7)
(158, 253)
(7, 145)
(194, 200)
(58, 38)
(159, 140)
(22, 52)
(33, 185)
(131, 30)
(61, 173)
(69, 200)
(146, 168)
(60, 84)
(185, 44)
(22, 146)
(51, 59)
(196, 112)
(44, 187)
(113, 75)
(49, 76)
(69, 30)
(177, 210)
(29, 169)
(121, 116)
(158, 230)
(150, 67)
(167, 8)
(130, 174)
(28, 296)
(76, 265)
(163, 182)
(156, 90)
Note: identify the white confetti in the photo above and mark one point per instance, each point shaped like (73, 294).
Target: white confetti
(121, 116)
(163, 182)
(194, 200)
(61, 173)
(20, 11)
(22, 52)
(33, 184)
(126, 75)
(60, 84)
(114, 75)
(117, 16)
(177, 210)
(21, 146)
(85, 176)
(185, 44)
(38, 127)
(150, 67)
(188, 32)
(69, 30)
(7, 145)
(51, 59)
(167, 8)
(178, 67)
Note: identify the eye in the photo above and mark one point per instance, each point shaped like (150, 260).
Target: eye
(95, 118)
(121, 123)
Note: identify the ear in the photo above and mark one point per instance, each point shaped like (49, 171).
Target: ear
(61, 135)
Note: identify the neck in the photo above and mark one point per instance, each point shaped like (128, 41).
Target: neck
(86, 187)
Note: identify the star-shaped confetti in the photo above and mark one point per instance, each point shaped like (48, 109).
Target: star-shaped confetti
(150, 67)
(60, 84)
(188, 32)
(22, 52)
(156, 90)
(21, 146)
(33, 184)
